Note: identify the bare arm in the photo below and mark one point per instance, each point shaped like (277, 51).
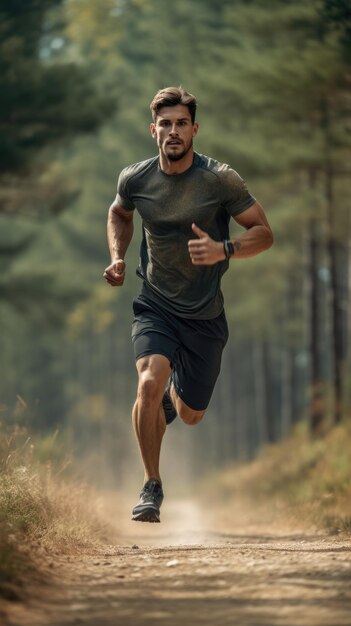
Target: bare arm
(258, 235)
(257, 238)
(119, 234)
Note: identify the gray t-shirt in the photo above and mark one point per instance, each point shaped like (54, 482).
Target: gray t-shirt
(208, 193)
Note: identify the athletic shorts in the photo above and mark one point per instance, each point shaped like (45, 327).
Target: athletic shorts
(193, 347)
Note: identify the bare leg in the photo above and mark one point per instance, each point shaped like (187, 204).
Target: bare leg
(188, 415)
(148, 415)
(149, 436)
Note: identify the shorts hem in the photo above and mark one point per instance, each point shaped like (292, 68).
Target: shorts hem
(151, 352)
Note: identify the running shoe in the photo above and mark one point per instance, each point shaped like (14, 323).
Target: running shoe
(168, 406)
(148, 507)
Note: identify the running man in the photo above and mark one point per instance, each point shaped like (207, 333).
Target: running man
(185, 200)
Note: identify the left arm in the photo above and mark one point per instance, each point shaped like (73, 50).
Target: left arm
(258, 235)
(256, 238)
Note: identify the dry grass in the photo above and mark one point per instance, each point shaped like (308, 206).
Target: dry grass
(44, 512)
(40, 513)
(309, 480)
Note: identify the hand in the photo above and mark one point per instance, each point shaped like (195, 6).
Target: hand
(205, 251)
(114, 273)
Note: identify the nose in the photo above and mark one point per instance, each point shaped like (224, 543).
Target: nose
(173, 130)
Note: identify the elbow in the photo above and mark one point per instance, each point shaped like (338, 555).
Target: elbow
(270, 239)
(265, 238)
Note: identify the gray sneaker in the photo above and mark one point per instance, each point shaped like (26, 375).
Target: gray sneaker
(148, 507)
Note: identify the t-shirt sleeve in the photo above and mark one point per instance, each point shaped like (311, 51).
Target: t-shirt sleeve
(235, 195)
(123, 194)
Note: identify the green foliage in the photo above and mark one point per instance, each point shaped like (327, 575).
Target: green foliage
(337, 15)
(310, 477)
(42, 103)
(271, 80)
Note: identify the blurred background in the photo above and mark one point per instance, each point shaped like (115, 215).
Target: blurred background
(272, 82)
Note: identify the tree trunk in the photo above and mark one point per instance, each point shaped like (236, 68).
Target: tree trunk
(338, 263)
(316, 412)
(263, 391)
(260, 392)
(287, 391)
(337, 246)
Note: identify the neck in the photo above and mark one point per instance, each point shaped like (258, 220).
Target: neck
(176, 167)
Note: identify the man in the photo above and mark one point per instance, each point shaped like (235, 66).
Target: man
(179, 330)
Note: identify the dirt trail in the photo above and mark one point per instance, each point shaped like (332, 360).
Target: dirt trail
(187, 571)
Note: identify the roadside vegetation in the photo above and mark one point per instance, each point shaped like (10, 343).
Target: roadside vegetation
(43, 512)
(46, 512)
(301, 479)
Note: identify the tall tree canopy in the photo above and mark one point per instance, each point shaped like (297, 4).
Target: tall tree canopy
(43, 101)
(272, 80)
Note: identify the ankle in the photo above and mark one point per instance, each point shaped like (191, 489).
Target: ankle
(154, 479)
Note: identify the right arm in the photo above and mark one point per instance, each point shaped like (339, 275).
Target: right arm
(119, 234)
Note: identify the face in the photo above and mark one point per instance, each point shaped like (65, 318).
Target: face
(174, 131)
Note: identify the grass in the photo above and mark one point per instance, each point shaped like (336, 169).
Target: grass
(310, 479)
(44, 512)
(41, 514)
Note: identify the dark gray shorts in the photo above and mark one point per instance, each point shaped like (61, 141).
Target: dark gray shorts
(193, 347)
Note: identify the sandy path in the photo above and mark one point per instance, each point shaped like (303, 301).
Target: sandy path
(181, 573)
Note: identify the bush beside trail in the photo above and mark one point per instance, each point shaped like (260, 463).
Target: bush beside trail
(42, 514)
(300, 479)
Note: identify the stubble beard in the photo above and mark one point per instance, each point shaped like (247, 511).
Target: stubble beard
(177, 156)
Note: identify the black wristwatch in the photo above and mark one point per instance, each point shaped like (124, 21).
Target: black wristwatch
(229, 249)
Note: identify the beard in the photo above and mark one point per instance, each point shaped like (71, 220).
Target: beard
(172, 156)
(177, 156)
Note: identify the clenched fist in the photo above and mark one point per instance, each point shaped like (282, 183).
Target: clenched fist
(114, 273)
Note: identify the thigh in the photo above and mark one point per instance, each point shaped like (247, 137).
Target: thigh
(152, 333)
(198, 361)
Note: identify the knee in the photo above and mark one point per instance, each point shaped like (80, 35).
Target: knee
(149, 388)
(189, 416)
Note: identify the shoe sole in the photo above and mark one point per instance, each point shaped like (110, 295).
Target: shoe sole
(149, 515)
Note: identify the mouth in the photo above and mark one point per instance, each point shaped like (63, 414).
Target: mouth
(174, 142)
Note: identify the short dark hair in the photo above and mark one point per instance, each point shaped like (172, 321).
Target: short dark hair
(170, 97)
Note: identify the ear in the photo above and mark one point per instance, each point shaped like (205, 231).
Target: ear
(195, 129)
(153, 130)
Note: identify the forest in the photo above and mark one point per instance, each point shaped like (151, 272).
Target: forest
(272, 80)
